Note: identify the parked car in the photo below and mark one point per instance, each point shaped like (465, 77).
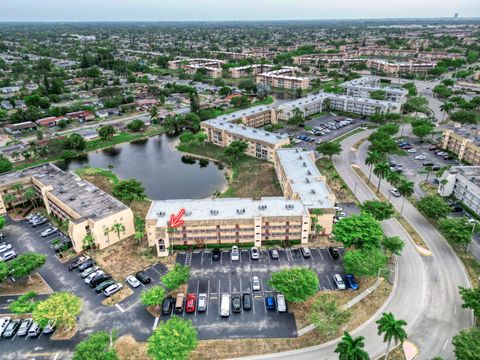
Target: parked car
(225, 305)
(89, 271)
(254, 253)
(234, 254)
(103, 285)
(40, 222)
(49, 231)
(247, 301)
(2, 236)
(274, 254)
(334, 253)
(167, 305)
(31, 216)
(34, 330)
(350, 282)
(411, 151)
(8, 255)
(427, 164)
(256, 284)
(191, 300)
(5, 247)
(50, 328)
(86, 264)
(395, 192)
(112, 289)
(92, 275)
(132, 281)
(433, 147)
(202, 302)
(35, 218)
(4, 321)
(216, 253)
(306, 252)
(281, 303)
(420, 157)
(236, 303)
(76, 263)
(338, 281)
(143, 277)
(98, 279)
(11, 329)
(61, 244)
(24, 326)
(270, 303)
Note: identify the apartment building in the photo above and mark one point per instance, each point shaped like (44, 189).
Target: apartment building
(89, 210)
(212, 67)
(364, 86)
(309, 105)
(250, 221)
(283, 78)
(464, 143)
(362, 106)
(395, 68)
(462, 182)
(248, 70)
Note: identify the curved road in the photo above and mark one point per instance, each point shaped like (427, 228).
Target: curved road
(426, 289)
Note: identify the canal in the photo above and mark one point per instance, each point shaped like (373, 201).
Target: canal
(165, 172)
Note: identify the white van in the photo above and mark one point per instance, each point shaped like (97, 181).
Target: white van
(4, 321)
(225, 305)
(34, 330)
(281, 303)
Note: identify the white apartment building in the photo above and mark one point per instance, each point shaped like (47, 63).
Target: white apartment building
(364, 86)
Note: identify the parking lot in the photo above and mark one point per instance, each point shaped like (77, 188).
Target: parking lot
(235, 277)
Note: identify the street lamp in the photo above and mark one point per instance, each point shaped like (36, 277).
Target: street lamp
(471, 236)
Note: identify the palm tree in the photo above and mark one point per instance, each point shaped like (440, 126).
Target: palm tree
(106, 231)
(118, 228)
(88, 243)
(351, 348)
(392, 330)
(446, 108)
(429, 170)
(10, 199)
(30, 195)
(373, 157)
(393, 178)
(405, 188)
(381, 170)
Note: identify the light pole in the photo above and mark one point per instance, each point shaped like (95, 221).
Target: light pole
(380, 269)
(471, 236)
(355, 189)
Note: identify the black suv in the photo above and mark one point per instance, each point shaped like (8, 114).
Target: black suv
(98, 279)
(75, 264)
(247, 301)
(167, 305)
(334, 252)
(216, 254)
(86, 264)
(236, 303)
(143, 277)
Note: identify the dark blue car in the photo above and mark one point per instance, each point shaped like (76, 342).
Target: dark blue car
(270, 303)
(350, 282)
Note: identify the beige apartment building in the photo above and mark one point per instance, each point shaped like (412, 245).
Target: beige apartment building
(248, 70)
(283, 78)
(89, 210)
(212, 67)
(395, 68)
(464, 145)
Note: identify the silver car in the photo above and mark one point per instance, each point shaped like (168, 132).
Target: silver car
(235, 254)
(202, 302)
(338, 281)
(24, 326)
(132, 281)
(89, 278)
(88, 271)
(256, 284)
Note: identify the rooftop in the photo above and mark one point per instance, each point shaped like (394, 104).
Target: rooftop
(371, 83)
(305, 178)
(81, 196)
(472, 173)
(231, 208)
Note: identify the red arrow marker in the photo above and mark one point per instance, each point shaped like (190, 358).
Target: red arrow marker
(176, 220)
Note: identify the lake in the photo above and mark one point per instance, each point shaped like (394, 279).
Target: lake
(165, 172)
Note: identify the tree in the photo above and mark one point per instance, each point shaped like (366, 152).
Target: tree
(392, 329)
(297, 284)
(10, 199)
(173, 339)
(30, 195)
(364, 262)
(393, 244)
(224, 91)
(329, 148)
(471, 299)
(26, 263)
(98, 346)
(447, 108)
(75, 142)
(327, 315)
(381, 170)
(153, 296)
(457, 230)
(422, 129)
(62, 124)
(360, 231)
(4, 271)
(106, 132)
(118, 228)
(464, 117)
(88, 242)
(236, 149)
(25, 303)
(373, 157)
(61, 309)
(194, 102)
(2, 222)
(378, 95)
(136, 125)
(351, 348)
(433, 207)
(177, 276)
(378, 209)
(393, 178)
(406, 189)
(466, 344)
(5, 164)
(187, 137)
(129, 190)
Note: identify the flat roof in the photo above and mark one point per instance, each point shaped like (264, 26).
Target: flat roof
(81, 196)
(224, 209)
(305, 177)
(370, 83)
(310, 99)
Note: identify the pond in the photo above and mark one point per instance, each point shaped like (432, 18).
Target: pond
(165, 172)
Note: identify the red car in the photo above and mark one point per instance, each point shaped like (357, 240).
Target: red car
(191, 300)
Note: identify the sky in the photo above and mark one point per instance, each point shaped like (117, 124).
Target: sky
(171, 10)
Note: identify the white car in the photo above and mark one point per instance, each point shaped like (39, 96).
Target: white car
(132, 281)
(411, 151)
(8, 255)
(112, 289)
(235, 254)
(395, 192)
(338, 281)
(256, 284)
(5, 247)
(49, 231)
(420, 157)
(92, 275)
(281, 303)
(254, 253)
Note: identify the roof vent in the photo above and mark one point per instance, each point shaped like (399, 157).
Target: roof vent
(262, 207)
(240, 211)
(312, 191)
(161, 213)
(307, 180)
(304, 164)
(214, 212)
(289, 206)
(309, 172)
(299, 157)
(72, 198)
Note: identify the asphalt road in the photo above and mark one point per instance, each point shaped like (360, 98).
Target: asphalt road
(425, 293)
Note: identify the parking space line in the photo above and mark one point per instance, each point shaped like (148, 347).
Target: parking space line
(158, 272)
(155, 323)
(196, 307)
(331, 285)
(320, 253)
(208, 295)
(119, 308)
